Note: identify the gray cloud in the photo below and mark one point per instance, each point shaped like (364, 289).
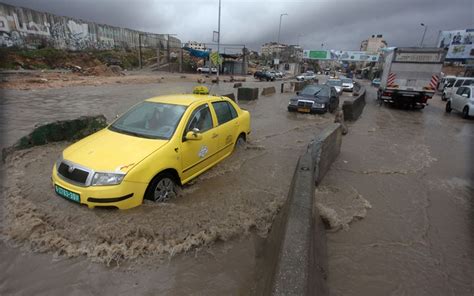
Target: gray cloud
(339, 24)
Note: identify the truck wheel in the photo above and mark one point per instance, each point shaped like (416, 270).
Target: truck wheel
(465, 112)
(448, 107)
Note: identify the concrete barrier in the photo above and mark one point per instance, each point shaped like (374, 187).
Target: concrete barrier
(64, 130)
(230, 96)
(267, 91)
(353, 107)
(294, 257)
(247, 94)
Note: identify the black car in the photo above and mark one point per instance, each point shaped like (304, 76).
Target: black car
(264, 75)
(315, 98)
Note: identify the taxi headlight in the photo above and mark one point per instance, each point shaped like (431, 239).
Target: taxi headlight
(107, 179)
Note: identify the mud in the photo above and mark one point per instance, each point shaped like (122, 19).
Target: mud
(402, 189)
(211, 231)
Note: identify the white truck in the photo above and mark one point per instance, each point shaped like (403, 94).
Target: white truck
(410, 75)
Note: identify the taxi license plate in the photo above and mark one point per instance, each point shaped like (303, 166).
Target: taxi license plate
(306, 110)
(67, 194)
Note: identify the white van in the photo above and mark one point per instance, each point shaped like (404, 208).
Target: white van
(451, 88)
(446, 80)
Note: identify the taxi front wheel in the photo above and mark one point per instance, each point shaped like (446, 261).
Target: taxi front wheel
(162, 188)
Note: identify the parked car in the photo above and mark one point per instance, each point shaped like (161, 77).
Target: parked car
(462, 101)
(315, 98)
(347, 84)
(451, 88)
(206, 70)
(308, 76)
(277, 74)
(337, 84)
(154, 147)
(264, 75)
(445, 81)
(376, 82)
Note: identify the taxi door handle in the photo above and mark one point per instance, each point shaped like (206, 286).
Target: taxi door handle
(214, 136)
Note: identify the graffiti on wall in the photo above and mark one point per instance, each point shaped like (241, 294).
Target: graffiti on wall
(20, 27)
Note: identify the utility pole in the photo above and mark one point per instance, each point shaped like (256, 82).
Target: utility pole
(279, 28)
(169, 57)
(218, 41)
(140, 50)
(424, 32)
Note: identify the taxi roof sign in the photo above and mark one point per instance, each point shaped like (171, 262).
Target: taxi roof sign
(201, 90)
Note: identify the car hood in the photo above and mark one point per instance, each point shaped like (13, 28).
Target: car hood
(111, 151)
(312, 98)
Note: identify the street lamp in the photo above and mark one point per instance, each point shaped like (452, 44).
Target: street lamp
(424, 32)
(279, 28)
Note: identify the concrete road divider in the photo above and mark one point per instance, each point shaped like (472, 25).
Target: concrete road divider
(267, 91)
(63, 130)
(353, 107)
(294, 256)
(230, 96)
(247, 94)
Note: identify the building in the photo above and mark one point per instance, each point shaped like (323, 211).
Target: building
(283, 52)
(272, 49)
(373, 44)
(196, 45)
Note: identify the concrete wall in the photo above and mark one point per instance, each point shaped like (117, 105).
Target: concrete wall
(294, 258)
(27, 28)
(353, 107)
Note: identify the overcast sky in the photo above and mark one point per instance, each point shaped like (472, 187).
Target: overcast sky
(339, 24)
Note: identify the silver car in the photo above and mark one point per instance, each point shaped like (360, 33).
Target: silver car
(337, 84)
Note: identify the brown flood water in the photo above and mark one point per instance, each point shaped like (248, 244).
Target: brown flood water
(206, 241)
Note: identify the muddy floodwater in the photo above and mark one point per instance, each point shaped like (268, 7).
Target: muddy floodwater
(400, 202)
(205, 240)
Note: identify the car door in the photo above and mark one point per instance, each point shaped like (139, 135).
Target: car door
(334, 98)
(196, 155)
(464, 98)
(455, 87)
(456, 98)
(228, 125)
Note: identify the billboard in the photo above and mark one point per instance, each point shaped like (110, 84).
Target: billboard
(458, 43)
(316, 54)
(341, 55)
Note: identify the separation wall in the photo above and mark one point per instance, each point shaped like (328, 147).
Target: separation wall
(27, 28)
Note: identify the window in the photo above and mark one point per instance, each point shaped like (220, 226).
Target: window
(467, 91)
(460, 90)
(201, 119)
(224, 111)
(468, 82)
(150, 120)
(458, 83)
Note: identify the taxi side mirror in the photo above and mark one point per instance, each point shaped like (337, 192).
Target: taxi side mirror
(193, 135)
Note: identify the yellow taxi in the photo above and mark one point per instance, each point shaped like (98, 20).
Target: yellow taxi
(157, 145)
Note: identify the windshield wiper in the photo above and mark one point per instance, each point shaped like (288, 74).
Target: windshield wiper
(122, 131)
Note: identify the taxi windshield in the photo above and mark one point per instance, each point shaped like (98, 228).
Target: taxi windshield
(150, 120)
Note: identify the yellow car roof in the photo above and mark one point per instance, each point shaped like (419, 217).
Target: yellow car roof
(182, 99)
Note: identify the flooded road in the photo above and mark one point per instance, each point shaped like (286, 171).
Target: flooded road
(206, 240)
(401, 194)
